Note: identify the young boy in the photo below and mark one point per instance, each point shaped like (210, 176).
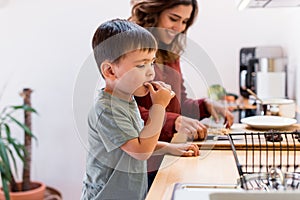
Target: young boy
(119, 143)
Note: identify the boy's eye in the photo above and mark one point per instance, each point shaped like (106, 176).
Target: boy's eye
(140, 66)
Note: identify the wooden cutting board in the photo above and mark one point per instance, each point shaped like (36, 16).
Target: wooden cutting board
(240, 141)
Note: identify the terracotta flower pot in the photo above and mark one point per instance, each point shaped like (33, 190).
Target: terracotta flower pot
(35, 194)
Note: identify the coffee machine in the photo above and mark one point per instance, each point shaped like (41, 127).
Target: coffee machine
(263, 70)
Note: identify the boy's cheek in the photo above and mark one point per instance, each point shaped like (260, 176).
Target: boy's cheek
(129, 85)
(131, 81)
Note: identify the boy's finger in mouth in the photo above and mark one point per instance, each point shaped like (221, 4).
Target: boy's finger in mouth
(154, 85)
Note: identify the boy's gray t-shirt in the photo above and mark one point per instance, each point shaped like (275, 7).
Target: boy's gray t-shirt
(110, 172)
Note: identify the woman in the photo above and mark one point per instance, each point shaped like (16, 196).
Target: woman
(169, 21)
(172, 19)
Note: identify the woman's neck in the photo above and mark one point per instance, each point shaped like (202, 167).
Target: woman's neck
(163, 46)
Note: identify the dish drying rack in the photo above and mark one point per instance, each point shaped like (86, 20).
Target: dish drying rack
(268, 161)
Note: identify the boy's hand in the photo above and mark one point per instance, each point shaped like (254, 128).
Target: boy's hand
(186, 150)
(162, 95)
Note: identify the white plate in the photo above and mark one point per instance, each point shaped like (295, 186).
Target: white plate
(268, 122)
(277, 101)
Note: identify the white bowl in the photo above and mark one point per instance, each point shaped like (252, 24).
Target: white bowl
(285, 107)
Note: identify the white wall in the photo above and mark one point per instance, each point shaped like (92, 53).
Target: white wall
(44, 44)
(222, 31)
(293, 50)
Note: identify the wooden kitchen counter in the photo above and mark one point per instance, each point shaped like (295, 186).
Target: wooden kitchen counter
(212, 167)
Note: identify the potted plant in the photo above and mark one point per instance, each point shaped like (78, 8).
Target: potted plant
(11, 150)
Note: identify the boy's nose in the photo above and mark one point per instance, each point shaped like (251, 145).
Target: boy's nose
(150, 71)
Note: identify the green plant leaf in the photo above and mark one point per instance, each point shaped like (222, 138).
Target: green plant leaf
(23, 126)
(3, 154)
(7, 130)
(6, 111)
(14, 161)
(8, 135)
(5, 161)
(24, 107)
(5, 187)
(18, 148)
(4, 172)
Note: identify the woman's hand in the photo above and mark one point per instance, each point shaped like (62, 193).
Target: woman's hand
(186, 150)
(191, 127)
(215, 109)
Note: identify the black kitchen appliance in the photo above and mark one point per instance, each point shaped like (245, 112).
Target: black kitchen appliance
(251, 62)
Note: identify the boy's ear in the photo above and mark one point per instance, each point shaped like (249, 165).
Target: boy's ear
(108, 71)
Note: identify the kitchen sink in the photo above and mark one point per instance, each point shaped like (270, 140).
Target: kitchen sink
(183, 191)
(252, 195)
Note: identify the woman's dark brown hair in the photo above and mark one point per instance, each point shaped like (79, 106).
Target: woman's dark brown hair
(146, 13)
